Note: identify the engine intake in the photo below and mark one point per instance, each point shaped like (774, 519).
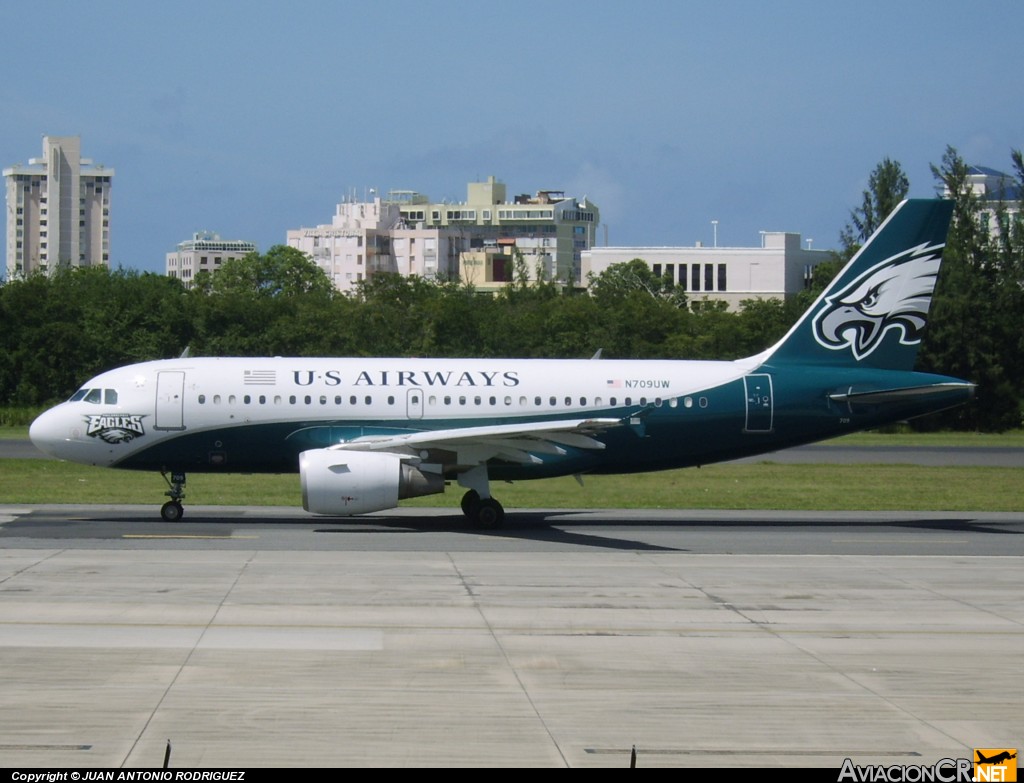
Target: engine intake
(346, 483)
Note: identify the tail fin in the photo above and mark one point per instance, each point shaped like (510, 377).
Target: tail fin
(874, 312)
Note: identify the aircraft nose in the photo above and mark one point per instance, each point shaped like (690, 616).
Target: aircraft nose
(51, 431)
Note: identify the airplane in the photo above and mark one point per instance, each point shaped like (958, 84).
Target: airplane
(365, 433)
(996, 759)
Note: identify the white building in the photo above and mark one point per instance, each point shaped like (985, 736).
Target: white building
(205, 251)
(407, 234)
(58, 210)
(995, 190)
(366, 237)
(778, 269)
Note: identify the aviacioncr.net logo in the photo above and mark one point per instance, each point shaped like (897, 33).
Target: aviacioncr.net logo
(942, 771)
(891, 296)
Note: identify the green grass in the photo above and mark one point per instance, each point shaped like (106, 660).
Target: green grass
(732, 486)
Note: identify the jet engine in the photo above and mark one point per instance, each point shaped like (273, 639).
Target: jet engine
(346, 483)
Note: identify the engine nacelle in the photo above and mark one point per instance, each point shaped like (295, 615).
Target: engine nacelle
(346, 483)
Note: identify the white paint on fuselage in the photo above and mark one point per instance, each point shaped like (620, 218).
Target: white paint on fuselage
(235, 392)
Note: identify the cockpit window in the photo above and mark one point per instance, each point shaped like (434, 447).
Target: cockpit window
(96, 396)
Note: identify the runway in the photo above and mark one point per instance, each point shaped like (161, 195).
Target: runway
(264, 637)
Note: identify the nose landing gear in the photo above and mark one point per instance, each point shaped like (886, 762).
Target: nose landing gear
(172, 510)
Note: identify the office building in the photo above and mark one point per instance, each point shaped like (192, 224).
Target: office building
(205, 251)
(779, 268)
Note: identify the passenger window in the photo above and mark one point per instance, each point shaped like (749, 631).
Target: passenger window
(391, 400)
(110, 396)
(613, 399)
(202, 399)
(353, 400)
(568, 402)
(368, 399)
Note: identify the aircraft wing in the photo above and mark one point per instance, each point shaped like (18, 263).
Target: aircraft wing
(475, 445)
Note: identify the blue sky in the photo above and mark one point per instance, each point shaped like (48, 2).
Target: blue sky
(249, 119)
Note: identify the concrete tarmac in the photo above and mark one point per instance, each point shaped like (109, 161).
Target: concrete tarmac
(265, 637)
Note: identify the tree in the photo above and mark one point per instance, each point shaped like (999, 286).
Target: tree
(887, 187)
(974, 328)
(281, 271)
(622, 279)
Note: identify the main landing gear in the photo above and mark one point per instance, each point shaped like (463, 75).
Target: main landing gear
(485, 513)
(480, 508)
(172, 510)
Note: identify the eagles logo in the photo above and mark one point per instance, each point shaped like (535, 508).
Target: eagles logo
(114, 428)
(891, 296)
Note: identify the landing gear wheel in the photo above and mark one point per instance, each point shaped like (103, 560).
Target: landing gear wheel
(469, 502)
(171, 511)
(488, 514)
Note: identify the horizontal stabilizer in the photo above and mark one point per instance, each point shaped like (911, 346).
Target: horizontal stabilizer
(882, 396)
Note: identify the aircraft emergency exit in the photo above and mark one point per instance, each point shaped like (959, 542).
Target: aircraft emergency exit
(365, 433)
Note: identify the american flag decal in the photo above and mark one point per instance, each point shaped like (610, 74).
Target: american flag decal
(259, 377)
(614, 384)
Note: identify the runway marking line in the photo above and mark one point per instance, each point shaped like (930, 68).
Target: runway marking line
(183, 535)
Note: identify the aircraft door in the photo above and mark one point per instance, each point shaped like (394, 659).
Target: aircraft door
(414, 404)
(170, 401)
(760, 405)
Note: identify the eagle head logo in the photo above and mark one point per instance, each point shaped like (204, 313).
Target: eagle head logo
(893, 295)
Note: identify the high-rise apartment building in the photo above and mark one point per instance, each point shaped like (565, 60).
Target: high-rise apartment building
(58, 210)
